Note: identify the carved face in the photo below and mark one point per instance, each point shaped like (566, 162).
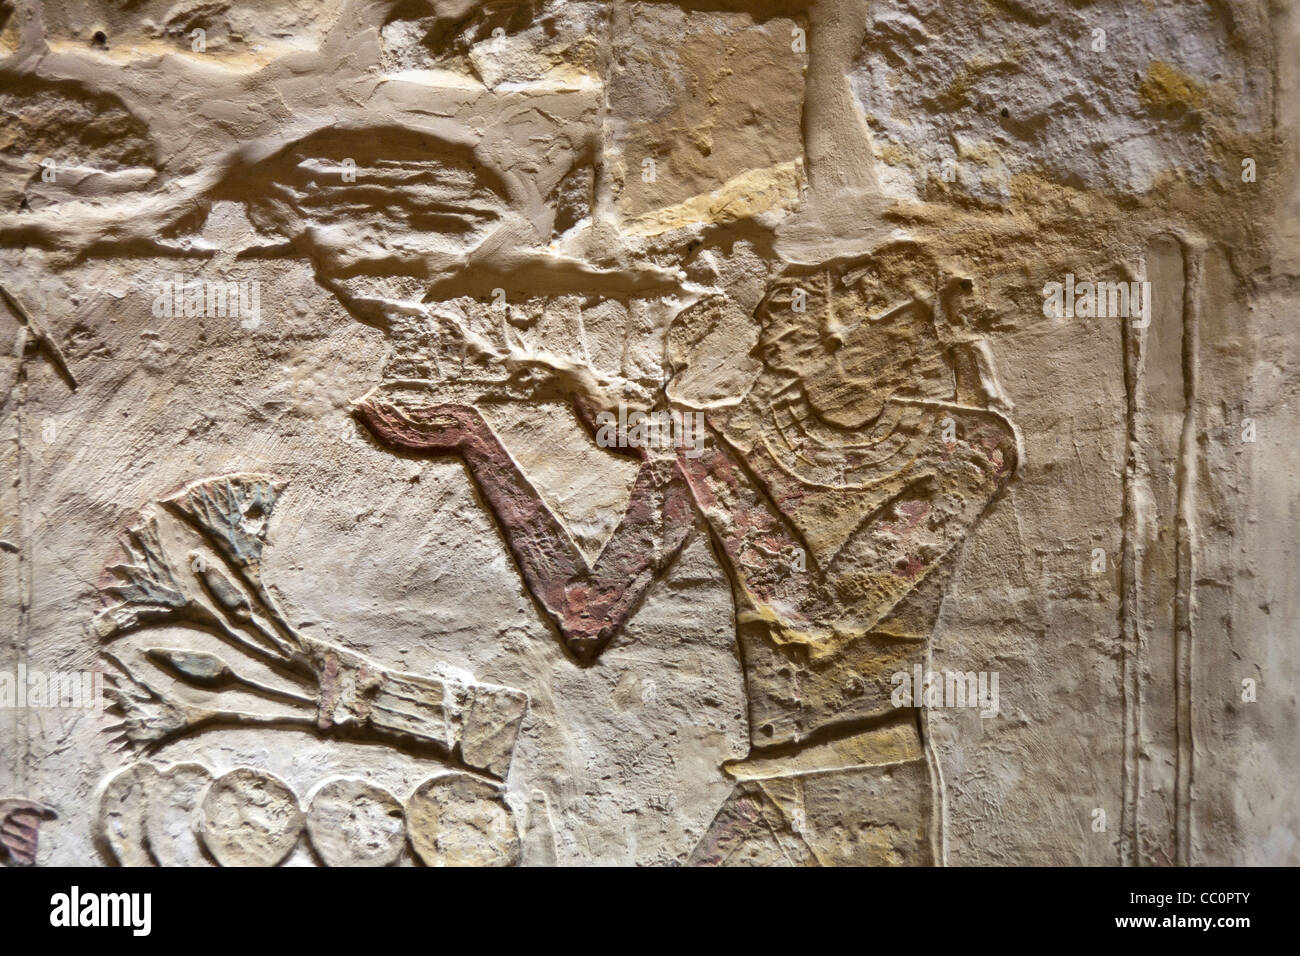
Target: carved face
(855, 335)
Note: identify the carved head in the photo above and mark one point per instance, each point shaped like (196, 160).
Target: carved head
(853, 334)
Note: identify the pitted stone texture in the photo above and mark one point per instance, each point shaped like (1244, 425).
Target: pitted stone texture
(122, 805)
(250, 818)
(460, 820)
(1110, 96)
(354, 823)
(172, 814)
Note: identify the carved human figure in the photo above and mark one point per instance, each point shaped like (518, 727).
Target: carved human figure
(834, 491)
(834, 487)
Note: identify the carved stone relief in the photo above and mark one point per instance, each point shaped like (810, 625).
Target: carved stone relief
(759, 433)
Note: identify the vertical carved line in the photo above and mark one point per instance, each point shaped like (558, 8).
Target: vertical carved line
(938, 789)
(22, 638)
(1185, 602)
(602, 199)
(1131, 771)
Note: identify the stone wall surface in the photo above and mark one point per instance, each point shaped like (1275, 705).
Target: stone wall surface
(445, 432)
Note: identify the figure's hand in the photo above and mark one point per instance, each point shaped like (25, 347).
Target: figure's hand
(19, 821)
(441, 429)
(542, 376)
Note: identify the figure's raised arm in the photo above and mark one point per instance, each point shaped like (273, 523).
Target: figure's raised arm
(588, 603)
